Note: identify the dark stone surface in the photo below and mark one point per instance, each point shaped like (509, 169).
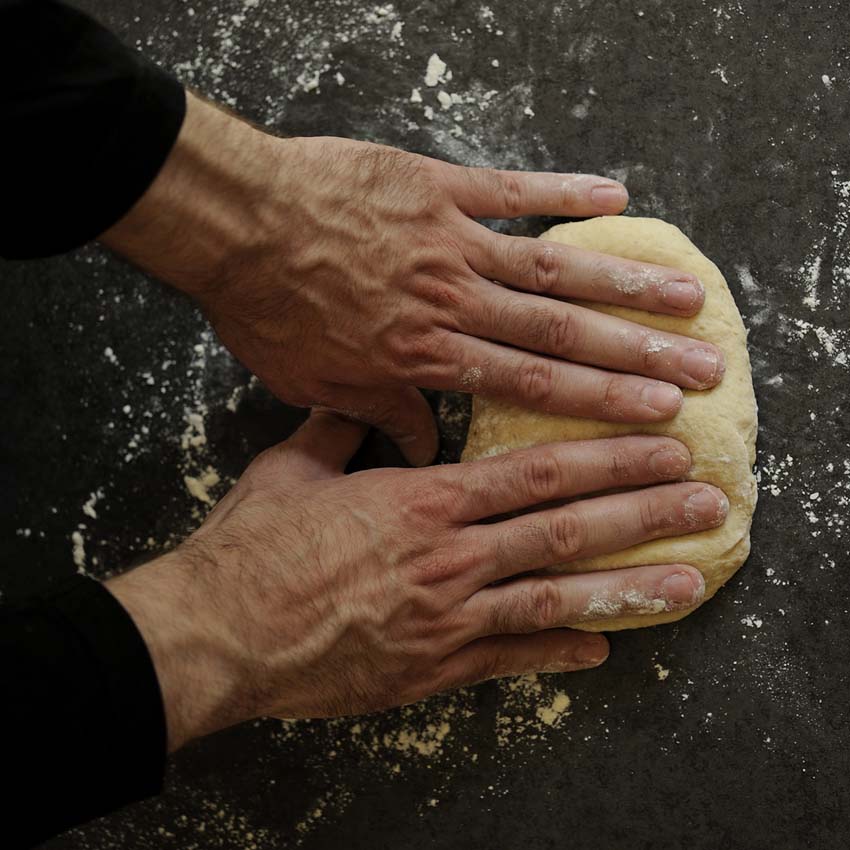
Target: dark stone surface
(728, 118)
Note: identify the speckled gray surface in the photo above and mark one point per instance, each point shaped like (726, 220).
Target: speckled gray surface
(729, 119)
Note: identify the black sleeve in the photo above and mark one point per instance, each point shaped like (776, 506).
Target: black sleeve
(86, 125)
(82, 725)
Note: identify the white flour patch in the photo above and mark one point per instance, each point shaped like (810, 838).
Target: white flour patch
(833, 342)
(603, 605)
(470, 378)
(810, 275)
(656, 344)
(748, 283)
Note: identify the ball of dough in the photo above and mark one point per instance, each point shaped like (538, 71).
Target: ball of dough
(718, 425)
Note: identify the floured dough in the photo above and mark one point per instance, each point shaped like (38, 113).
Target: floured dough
(718, 425)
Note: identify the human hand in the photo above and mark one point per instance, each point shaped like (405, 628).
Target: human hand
(345, 274)
(310, 593)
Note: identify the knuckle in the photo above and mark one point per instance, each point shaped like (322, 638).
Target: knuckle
(536, 380)
(416, 347)
(442, 563)
(561, 332)
(552, 329)
(442, 294)
(512, 194)
(543, 605)
(542, 475)
(567, 535)
(534, 608)
(426, 507)
(546, 270)
(646, 348)
(614, 395)
(652, 515)
(621, 465)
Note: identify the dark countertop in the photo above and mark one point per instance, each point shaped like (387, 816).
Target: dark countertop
(727, 118)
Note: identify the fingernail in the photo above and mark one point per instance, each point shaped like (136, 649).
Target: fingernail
(682, 294)
(703, 366)
(609, 196)
(669, 463)
(706, 506)
(592, 652)
(662, 398)
(681, 590)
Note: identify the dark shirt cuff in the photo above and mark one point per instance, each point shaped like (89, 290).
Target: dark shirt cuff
(88, 124)
(83, 720)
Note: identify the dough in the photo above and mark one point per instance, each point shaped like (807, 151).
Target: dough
(718, 425)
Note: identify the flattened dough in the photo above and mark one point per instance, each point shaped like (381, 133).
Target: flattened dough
(718, 425)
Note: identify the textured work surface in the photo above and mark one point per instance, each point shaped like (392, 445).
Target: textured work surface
(729, 119)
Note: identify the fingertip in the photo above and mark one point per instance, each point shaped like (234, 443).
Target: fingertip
(685, 295)
(593, 651)
(661, 400)
(609, 197)
(671, 460)
(683, 587)
(420, 449)
(704, 365)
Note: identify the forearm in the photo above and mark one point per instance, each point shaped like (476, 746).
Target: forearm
(198, 666)
(205, 210)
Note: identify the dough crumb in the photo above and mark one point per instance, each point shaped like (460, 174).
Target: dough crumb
(552, 713)
(435, 72)
(199, 486)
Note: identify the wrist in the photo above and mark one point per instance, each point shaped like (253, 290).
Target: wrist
(205, 210)
(199, 674)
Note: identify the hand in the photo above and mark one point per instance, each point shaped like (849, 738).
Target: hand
(309, 593)
(345, 274)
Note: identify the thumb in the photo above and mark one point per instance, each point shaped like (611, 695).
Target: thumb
(401, 413)
(325, 443)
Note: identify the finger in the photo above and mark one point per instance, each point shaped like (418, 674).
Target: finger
(533, 604)
(532, 476)
(543, 383)
(401, 413)
(489, 193)
(563, 271)
(591, 527)
(553, 651)
(325, 443)
(576, 333)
